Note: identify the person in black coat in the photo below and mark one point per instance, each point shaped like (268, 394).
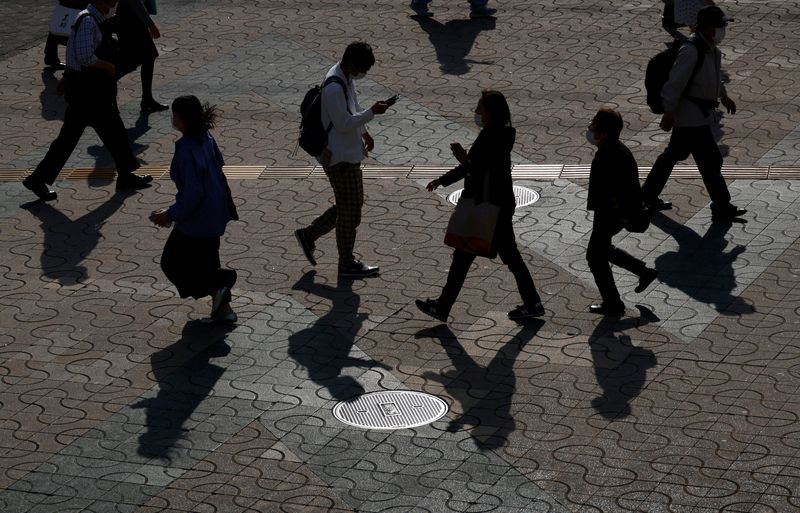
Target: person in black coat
(490, 155)
(614, 196)
(136, 31)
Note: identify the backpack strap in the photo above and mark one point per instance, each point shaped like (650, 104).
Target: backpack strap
(705, 105)
(336, 80)
(82, 16)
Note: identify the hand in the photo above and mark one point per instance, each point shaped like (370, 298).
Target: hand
(160, 218)
(433, 184)
(369, 142)
(729, 104)
(154, 32)
(667, 121)
(380, 107)
(61, 87)
(459, 152)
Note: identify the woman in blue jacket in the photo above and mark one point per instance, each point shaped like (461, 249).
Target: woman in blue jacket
(490, 155)
(202, 209)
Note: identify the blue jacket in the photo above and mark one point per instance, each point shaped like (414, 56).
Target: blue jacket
(201, 204)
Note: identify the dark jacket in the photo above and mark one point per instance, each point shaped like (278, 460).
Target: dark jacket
(614, 180)
(490, 155)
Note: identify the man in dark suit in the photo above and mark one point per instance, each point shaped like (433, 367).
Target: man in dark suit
(615, 196)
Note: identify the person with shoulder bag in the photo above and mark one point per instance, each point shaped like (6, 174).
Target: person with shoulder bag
(486, 171)
(616, 199)
(62, 19)
(202, 209)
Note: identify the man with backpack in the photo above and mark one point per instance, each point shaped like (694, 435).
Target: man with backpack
(690, 96)
(346, 144)
(91, 94)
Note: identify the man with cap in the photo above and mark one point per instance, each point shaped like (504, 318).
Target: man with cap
(690, 98)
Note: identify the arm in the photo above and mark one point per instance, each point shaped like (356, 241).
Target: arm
(334, 103)
(189, 184)
(137, 6)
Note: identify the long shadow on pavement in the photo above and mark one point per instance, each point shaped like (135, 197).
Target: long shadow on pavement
(185, 377)
(454, 40)
(485, 393)
(323, 348)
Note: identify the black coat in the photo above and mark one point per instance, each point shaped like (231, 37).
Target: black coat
(614, 180)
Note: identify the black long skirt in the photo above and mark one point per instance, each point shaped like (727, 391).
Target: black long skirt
(192, 264)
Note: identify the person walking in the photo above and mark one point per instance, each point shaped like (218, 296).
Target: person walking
(137, 30)
(91, 95)
(51, 58)
(478, 9)
(690, 99)
(486, 171)
(614, 195)
(348, 144)
(202, 209)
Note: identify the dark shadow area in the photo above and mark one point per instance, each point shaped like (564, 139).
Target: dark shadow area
(324, 347)
(454, 40)
(68, 242)
(701, 268)
(485, 393)
(619, 366)
(53, 106)
(102, 158)
(185, 377)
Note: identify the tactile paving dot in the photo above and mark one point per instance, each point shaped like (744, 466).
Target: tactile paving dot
(523, 195)
(397, 409)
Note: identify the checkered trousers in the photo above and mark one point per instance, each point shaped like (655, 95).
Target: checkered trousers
(345, 215)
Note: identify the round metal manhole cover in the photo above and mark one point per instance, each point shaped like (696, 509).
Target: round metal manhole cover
(523, 195)
(398, 409)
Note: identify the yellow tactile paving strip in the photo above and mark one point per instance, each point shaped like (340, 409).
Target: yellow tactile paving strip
(520, 171)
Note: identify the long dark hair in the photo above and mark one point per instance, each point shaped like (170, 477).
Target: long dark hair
(496, 104)
(199, 118)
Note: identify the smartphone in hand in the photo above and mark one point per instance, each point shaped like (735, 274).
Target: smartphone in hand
(392, 100)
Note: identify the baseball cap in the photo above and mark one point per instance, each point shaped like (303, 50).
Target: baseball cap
(712, 16)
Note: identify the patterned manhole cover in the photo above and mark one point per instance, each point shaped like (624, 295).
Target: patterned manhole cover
(398, 409)
(523, 195)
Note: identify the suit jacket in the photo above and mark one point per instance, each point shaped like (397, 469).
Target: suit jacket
(614, 180)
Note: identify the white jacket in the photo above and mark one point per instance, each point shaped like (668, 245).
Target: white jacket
(344, 140)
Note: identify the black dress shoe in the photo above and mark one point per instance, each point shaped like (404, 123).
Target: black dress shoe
(657, 205)
(432, 308)
(306, 245)
(646, 279)
(616, 309)
(55, 65)
(132, 181)
(358, 270)
(153, 106)
(727, 213)
(39, 188)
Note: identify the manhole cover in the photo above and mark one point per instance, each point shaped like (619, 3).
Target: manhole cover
(523, 195)
(397, 409)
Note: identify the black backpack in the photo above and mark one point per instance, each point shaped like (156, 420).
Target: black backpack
(313, 136)
(658, 69)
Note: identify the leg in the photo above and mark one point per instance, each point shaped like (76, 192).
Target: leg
(510, 255)
(75, 122)
(455, 279)
(678, 149)
(598, 254)
(709, 161)
(148, 68)
(109, 127)
(321, 225)
(348, 191)
(51, 50)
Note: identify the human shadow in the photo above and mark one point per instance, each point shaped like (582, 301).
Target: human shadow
(68, 242)
(102, 157)
(53, 105)
(485, 393)
(323, 348)
(619, 366)
(454, 40)
(185, 377)
(700, 267)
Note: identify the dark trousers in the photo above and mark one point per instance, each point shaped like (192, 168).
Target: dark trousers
(601, 252)
(509, 254)
(106, 122)
(51, 48)
(697, 141)
(192, 265)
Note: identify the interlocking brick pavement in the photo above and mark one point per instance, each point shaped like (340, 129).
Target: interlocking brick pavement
(114, 398)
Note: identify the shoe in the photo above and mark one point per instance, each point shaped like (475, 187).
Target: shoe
(727, 213)
(657, 205)
(421, 10)
(55, 65)
(39, 188)
(152, 106)
(132, 181)
(432, 308)
(228, 318)
(482, 12)
(523, 312)
(615, 309)
(223, 295)
(646, 279)
(358, 270)
(305, 245)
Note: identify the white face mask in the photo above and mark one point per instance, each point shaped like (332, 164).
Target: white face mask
(479, 120)
(359, 76)
(719, 35)
(590, 137)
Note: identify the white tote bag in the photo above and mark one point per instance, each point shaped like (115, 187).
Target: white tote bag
(62, 19)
